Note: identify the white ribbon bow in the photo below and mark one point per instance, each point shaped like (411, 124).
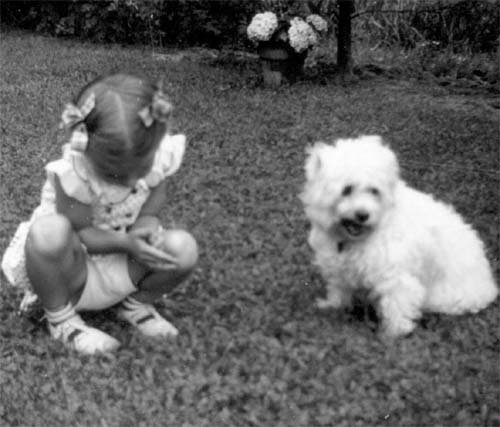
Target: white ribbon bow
(73, 118)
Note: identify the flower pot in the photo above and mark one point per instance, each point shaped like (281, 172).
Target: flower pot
(280, 64)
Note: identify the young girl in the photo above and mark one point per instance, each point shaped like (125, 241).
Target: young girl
(95, 240)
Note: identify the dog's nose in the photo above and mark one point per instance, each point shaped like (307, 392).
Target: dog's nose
(362, 216)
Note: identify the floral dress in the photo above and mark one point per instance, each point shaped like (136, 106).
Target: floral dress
(113, 207)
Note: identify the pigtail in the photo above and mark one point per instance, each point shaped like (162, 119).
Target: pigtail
(160, 108)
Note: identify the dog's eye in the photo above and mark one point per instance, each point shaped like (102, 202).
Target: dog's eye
(374, 191)
(347, 190)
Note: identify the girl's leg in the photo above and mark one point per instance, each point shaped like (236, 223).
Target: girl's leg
(55, 261)
(56, 267)
(153, 284)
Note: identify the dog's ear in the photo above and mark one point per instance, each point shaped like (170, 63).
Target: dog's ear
(392, 166)
(313, 162)
(386, 157)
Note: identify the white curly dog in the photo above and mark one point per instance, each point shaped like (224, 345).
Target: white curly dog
(370, 231)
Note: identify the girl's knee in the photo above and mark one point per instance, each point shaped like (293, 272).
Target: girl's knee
(50, 236)
(182, 246)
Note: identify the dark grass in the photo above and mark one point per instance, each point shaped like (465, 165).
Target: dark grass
(252, 349)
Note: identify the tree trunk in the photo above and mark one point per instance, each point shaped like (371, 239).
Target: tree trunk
(344, 37)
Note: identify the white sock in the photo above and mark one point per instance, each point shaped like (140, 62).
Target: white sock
(60, 315)
(130, 303)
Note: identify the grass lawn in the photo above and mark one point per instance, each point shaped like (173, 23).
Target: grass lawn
(252, 348)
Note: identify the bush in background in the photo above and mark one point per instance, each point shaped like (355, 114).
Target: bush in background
(462, 25)
(459, 24)
(449, 39)
(211, 23)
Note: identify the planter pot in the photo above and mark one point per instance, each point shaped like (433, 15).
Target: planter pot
(280, 64)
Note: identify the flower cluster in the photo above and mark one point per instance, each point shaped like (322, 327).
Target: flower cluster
(262, 27)
(317, 22)
(300, 34)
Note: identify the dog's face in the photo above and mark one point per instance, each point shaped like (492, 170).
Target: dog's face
(349, 186)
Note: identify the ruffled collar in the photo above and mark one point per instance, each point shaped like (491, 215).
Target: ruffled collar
(107, 193)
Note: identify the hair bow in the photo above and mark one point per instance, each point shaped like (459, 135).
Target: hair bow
(73, 118)
(159, 109)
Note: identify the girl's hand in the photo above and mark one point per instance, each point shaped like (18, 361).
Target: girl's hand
(144, 252)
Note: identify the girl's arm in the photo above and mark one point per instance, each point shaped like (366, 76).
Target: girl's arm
(98, 241)
(80, 216)
(148, 223)
(148, 217)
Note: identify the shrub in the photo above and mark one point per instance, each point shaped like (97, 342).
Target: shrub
(462, 25)
(211, 23)
(470, 24)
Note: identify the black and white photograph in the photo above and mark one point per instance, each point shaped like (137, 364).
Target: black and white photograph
(250, 213)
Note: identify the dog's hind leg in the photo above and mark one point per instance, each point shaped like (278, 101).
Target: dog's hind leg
(337, 297)
(400, 304)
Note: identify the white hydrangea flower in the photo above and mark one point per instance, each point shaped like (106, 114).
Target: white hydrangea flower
(301, 35)
(262, 26)
(317, 22)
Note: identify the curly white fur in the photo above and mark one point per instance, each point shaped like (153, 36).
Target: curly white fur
(370, 231)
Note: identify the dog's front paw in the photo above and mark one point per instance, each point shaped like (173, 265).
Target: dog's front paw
(324, 303)
(392, 329)
(335, 298)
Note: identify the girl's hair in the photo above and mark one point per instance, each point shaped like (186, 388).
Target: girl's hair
(117, 135)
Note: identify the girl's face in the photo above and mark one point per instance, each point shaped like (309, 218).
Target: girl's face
(126, 172)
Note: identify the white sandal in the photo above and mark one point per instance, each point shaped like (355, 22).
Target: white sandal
(149, 322)
(75, 334)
